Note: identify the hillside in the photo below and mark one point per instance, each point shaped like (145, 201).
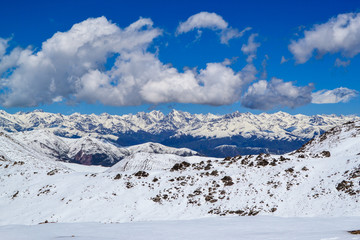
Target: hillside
(88, 150)
(319, 179)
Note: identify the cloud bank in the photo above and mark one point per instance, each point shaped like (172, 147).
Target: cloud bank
(211, 21)
(70, 66)
(334, 96)
(265, 95)
(340, 34)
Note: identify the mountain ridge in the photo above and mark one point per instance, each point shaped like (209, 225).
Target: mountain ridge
(87, 150)
(251, 134)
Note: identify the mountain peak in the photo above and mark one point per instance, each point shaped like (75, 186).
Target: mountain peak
(278, 132)
(38, 111)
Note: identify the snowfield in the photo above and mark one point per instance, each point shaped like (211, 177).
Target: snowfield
(229, 228)
(319, 180)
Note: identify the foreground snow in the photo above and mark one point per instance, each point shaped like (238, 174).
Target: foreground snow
(247, 228)
(320, 179)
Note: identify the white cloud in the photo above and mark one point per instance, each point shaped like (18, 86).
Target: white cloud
(265, 95)
(231, 33)
(202, 20)
(211, 21)
(70, 67)
(340, 63)
(250, 48)
(11, 60)
(334, 96)
(139, 77)
(340, 34)
(38, 77)
(3, 46)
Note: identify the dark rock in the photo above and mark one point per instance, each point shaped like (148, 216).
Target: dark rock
(52, 172)
(118, 176)
(227, 180)
(141, 174)
(180, 166)
(263, 163)
(326, 153)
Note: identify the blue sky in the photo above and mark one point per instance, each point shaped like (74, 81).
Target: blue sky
(314, 64)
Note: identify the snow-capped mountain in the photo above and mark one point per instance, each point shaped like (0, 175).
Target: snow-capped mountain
(161, 149)
(319, 179)
(205, 133)
(143, 161)
(88, 150)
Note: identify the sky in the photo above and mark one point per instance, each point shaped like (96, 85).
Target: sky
(124, 57)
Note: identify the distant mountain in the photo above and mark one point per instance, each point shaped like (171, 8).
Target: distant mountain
(87, 150)
(319, 179)
(207, 134)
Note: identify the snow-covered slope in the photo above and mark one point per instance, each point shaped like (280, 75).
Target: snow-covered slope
(320, 179)
(144, 161)
(272, 132)
(88, 150)
(161, 149)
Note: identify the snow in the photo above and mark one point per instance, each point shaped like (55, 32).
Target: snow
(48, 144)
(143, 161)
(84, 168)
(306, 183)
(159, 148)
(230, 228)
(268, 126)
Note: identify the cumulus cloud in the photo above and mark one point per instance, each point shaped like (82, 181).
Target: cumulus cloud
(139, 77)
(211, 21)
(266, 95)
(70, 67)
(340, 34)
(53, 72)
(334, 96)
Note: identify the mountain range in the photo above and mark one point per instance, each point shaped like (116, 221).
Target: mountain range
(208, 134)
(87, 150)
(319, 179)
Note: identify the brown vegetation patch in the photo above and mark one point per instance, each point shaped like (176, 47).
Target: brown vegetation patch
(355, 232)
